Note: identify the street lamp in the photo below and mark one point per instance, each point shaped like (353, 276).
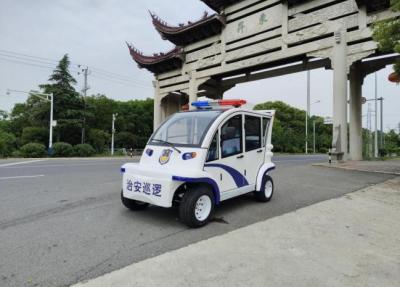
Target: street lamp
(46, 97)
(316, 102)
(114, 116)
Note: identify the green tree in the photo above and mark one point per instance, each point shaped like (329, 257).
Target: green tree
(35, 134)
(7, 143)
(288, 133)
(68, 105)
(3, 115)
(387, 34)
(99, 139)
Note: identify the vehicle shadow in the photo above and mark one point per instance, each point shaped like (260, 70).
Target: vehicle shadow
(160, 216)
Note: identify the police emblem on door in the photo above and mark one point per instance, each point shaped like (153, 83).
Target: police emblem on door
(165, 155)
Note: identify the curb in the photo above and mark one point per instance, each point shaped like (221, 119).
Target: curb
(356, 169)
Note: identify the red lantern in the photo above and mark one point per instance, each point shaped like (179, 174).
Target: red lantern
(394, 77)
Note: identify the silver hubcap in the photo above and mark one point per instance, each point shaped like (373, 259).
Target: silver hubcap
(268, 189)
(203, 208)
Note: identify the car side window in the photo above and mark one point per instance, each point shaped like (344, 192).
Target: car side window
(231, 137)
(265, 130)
(213, 152)
(252, 132)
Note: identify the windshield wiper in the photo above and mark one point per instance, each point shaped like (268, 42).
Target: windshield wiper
(168, 143)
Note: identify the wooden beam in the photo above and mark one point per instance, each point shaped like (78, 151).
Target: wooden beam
(323, 63)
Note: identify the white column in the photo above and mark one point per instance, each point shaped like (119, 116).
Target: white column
(356, 80)
(193, 86)
(157, 105)
(339, 62)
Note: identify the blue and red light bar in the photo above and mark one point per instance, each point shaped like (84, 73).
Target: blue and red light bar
(218, 103)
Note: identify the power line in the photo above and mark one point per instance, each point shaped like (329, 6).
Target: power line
(25, 63)
(50, 61)
(26, 59)
(47, 65)
(120, 78)
(121, 83)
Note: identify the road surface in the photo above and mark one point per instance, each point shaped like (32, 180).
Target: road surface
(61, 220)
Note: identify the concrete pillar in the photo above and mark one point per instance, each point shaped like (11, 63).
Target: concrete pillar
(193, 89)
(339, 63)
(157, 105)
(356, 80)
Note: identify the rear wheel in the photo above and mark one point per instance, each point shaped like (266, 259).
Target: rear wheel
(133, 204)
(267, 189)
(197, 206)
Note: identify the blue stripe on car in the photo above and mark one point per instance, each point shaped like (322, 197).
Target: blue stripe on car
(239, 179)
(201, 179)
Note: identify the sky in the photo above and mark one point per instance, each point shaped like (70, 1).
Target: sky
(34, 35)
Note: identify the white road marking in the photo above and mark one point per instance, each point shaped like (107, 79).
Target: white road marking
(293, 160)
(20, 177)
(20, 162)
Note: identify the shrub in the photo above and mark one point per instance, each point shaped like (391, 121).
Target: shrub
(33, 150)
(62, 149)
(120, 152)
(84, 150)
(16, 153)
(7, 144)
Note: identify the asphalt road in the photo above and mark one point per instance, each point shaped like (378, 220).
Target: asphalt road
(61, 221)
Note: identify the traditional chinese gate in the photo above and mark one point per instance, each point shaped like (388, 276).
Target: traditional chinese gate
(248, 40)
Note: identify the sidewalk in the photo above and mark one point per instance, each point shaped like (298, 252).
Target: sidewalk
(380, 166)
(350, 241)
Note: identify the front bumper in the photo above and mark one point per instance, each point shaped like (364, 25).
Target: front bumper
(146, 184)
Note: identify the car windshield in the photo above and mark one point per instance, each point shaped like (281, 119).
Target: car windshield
(188, 128)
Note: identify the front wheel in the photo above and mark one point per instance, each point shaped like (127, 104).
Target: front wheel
(197, 206)
(133, 204)
(267, 189)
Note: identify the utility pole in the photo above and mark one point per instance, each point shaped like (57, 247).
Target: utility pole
(114, 116)
(369, 127)
(314, 136)
(85, 88)
(382, 135)
(376, 117)
(51, 121)
(308, 107)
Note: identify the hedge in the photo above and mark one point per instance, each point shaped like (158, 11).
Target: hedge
(62, 149)
(33, 150)
(84, 150)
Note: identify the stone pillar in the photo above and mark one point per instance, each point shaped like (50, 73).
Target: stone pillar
(356, 80)
(193, 89)
(339, 63)
(157, 105)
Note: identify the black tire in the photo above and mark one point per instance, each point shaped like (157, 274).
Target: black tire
(187, 207)
(133, 204)
(261, 195)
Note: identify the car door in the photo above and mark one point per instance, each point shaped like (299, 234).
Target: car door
(254, 151)
(228, 168)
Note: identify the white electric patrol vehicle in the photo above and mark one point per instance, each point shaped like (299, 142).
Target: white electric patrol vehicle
(198, 158)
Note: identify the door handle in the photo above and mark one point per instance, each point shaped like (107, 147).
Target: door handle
(240, 156)
(259, 151)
